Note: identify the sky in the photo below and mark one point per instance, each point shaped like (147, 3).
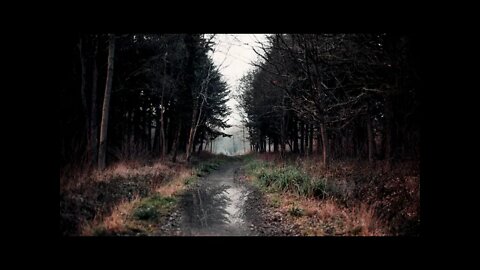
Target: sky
(233, 54)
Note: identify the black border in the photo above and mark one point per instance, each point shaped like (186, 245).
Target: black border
(309, 19)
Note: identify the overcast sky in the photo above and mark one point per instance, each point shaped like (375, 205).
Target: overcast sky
(234, 53)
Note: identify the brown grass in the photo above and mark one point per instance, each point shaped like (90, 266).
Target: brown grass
(98, 198)
(367, 199)
(391, 192)
(328, 217)
(115, 222)
(176, 185)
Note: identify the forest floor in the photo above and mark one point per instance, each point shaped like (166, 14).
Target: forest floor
(209, 197)
(253, 195)
(224, 204)
(349, 198)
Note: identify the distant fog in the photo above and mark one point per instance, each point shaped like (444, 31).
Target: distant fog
(232, 146)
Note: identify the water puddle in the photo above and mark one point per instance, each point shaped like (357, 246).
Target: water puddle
(215, 206)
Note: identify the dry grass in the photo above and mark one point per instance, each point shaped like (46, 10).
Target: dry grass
(328, 217)
(90, 200)
(363, 198)
(176, 185)
(100, 200)
(391, 191)
(115, 222)
(74, 178)
(134, 170)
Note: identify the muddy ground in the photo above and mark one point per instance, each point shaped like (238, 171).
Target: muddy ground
(225, 204)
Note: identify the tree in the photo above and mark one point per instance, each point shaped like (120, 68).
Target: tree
(106, 104)
(347, 88)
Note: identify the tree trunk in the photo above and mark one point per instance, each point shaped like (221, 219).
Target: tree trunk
(197, 117)
(302, 138)
(132, 132)
(371, 146)
(306, 138)
(163, 140)
(84, 98)
(106, 104)
(93, 109)
(388, 128)
(148, 125)
(191, 134)
(283, 128)
(295, 136)
(200, 147)
(324, 145)
(162, 109)
(310, 141)
(176, 140)
(168, 135)
(200, 136)
(319, 143)
(156, 137)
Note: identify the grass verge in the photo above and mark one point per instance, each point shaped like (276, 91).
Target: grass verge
(351, 198)
(128, 198)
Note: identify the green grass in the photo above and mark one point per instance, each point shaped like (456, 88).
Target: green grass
(206, 167)
(153, 207)
(190, 180)
(275, 201)
(256, 167)
(296, 211)
(285, 179)
(100, 231)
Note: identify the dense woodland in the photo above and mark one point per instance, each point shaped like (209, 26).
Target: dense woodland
(335, 95)
(332, 123)
(136, 96)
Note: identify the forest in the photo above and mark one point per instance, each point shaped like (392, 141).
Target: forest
(332, 120)
(151, 95)
(340, 96)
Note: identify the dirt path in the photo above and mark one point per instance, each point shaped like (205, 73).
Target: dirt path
(223, 204)
(215, 205)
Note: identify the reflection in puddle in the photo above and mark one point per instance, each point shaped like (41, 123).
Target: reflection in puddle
(215, 207)
(235, 207)
(206, 206)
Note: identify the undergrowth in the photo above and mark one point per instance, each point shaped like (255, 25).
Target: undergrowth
(378, 198)
(94, 203)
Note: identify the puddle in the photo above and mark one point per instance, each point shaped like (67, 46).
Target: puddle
(215, 206)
